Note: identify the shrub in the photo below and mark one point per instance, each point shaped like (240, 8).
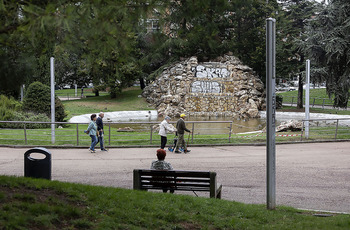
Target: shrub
(23, 116)
(38, 100)
(7, 107)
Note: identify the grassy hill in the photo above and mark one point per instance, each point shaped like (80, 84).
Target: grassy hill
(41, 204)
(128, 100)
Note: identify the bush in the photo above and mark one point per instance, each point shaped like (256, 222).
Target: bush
(7, 107)
(23, 116)
(38, 100)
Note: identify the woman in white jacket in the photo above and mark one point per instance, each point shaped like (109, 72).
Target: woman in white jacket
(163, 130)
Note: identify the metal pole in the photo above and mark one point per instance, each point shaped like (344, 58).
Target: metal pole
(292, 101)
(229, 135)
(52, 67)
(307, 99)
(25, 134)
(192, 132)
(302, 131)
(77, 134)
(323, 104)
(22, 92)
(109, 134)
(76, 90)
(336, 130)
(271, 112)
(151, 135)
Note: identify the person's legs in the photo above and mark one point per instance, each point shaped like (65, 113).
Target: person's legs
(93, 142)
(163, 141)
(100, 138)
(179, 141)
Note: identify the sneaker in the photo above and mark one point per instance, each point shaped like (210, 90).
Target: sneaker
(177, 152)
(187, 151)
(104, 150)
(92, 151)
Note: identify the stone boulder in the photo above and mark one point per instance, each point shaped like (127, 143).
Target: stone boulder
(222, 87)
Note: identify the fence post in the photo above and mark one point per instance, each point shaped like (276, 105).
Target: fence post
(77, 134)
(323, 104)
(192, 131)
(302, 130)
(292, 101)
(25, 134)
(313, 103)
(109, 134)
(336, 130)
(151, 134)
(230, 133)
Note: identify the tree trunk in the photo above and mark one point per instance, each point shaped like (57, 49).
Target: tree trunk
(142, 83)
(300, 93)
(97, 93)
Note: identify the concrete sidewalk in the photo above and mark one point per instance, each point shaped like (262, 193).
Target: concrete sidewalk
(309, 176)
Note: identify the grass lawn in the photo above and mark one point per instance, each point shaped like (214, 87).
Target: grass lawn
(128, 100)
(42, 204)
(71, 92)
(318, 94)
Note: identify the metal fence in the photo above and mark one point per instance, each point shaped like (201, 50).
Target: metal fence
(115, 133)
(327, 129)
(315, 102)
(146, 134)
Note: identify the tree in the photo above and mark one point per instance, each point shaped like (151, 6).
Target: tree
(296, 14)
(328, 45)
(89, 39)
(38, 100)
(208, 29)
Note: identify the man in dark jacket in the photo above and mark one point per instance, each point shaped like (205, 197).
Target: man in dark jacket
(99, 123)
(181, 128)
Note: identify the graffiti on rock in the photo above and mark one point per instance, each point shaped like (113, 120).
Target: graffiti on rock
(208, 72)
(205, 87)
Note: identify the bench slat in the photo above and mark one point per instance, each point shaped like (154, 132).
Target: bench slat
(177, 179)
(176, 185)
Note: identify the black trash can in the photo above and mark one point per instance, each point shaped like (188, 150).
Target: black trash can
(37, 168)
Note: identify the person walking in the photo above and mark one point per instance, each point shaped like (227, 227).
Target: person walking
(100, 132)
(163, 130)
(181, 128)
(91, 130)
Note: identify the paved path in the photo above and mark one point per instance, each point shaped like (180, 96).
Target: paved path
(310, 176)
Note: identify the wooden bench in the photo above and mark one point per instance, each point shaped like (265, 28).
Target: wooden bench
(145, 179)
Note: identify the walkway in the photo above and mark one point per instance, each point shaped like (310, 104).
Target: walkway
(309, 176)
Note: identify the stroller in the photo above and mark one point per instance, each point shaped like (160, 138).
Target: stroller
(172, 148)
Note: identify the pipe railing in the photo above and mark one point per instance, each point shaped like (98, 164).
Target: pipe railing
(144, 132)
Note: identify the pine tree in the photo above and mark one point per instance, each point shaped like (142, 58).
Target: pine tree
(328, 45)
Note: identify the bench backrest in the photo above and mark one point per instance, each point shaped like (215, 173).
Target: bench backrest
(145, 179)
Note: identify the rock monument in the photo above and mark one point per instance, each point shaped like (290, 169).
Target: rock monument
(222, 87)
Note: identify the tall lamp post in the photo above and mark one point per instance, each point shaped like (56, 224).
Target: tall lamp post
(52, 73)
(270, 113)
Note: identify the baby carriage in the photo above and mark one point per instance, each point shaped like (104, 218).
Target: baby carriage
(172, 148)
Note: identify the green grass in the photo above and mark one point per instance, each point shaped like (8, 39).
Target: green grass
(128, 100)
(41, 204)
(318, 94)
(71, 92)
